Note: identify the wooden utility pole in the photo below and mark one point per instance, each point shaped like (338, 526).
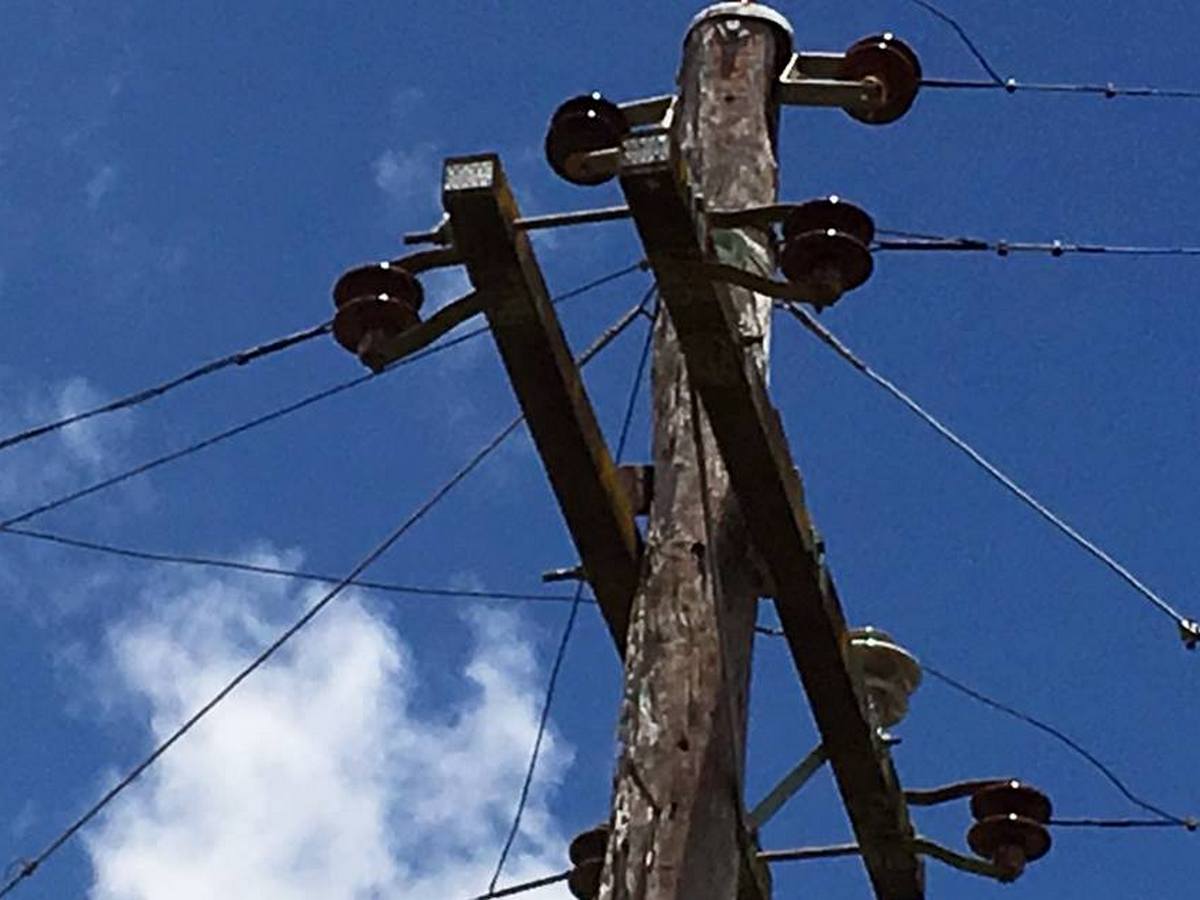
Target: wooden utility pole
(676, 829)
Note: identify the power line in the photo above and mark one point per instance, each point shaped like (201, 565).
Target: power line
(916, 241)
(1189, 824)
(1165, 817)
(241, 358)
(524, 887)
(29, 867)
(1189, 630)
(297, 575)
(962, 36)
(1012, 86)
(994, 82)
(280, 413)
(569, 626)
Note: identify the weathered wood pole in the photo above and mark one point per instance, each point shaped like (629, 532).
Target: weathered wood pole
(677, 830)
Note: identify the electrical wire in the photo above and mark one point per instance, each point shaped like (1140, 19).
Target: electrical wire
(1013, 86)
(964, 37)
(280, 413)
(28, 867)
(1189, 630)
(1189, 824)
(916, 241)
(994, 82)
(233, 565)
(525, 887)
(569, 626)
(241, 358)
(1164, 817)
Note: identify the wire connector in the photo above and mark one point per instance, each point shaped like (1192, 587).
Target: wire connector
(1190, 632)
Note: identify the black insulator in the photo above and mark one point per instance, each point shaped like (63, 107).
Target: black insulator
(583, 125)
(1011, 797)
(891, 62)
(826, 264)
(378, 280)
(830, 212)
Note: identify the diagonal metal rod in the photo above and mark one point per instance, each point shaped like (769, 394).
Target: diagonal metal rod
(787, 788)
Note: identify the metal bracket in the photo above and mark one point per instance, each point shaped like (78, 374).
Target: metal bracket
(378, 351)
(948, 793)
(922, 846)
(810, 79)
(649, 111)
(787, 788)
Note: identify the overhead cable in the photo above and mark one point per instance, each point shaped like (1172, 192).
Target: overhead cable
(915, 241)
(233, 565)
(1163, 819)
(962, 36)
(275, 415)
(1162, 815)
(241, 358)
(568, 627)
(995, 82)
(1188, 629)
(1109, 90)
(28, 867)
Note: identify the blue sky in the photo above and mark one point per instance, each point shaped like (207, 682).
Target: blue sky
(177, 182)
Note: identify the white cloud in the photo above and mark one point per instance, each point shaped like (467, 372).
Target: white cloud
(100, 184)
(62, 460)
(409, 175)
(320, 776)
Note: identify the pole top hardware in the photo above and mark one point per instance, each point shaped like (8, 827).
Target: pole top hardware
(740, 9)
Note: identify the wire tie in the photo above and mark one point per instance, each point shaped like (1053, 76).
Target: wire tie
(1056, 249)
(1191, 824)
(1110, 90)
(1011, 85)
(1002, 248)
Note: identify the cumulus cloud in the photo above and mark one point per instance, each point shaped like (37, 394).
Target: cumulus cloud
(321, 776)
(409, 175)
(64, 459)
(100, 184)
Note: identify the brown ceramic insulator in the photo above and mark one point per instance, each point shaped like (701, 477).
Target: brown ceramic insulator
(1009, 841)
(891, 62)
(830, 212)
(584, 124)
(591, 844)
(378, 280)
(379, 314)
(827, 263)
(584, 880)
(1011, 797)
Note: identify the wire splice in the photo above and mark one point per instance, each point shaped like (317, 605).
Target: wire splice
(241, 358)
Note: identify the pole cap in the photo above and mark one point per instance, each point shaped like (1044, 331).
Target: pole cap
(740, 9)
